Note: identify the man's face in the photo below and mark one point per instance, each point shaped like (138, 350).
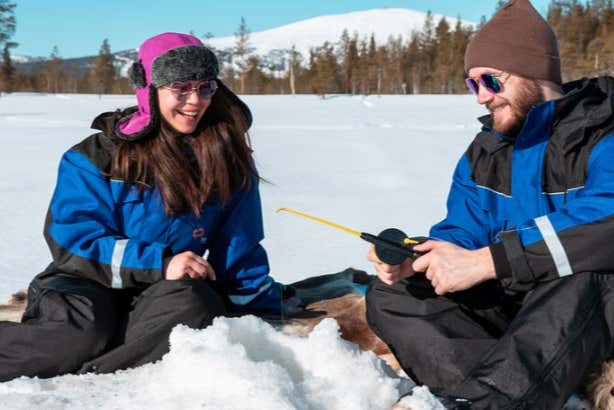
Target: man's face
(508, 107)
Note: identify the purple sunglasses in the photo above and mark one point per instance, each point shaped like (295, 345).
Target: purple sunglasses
(488, 81)
(204, 89)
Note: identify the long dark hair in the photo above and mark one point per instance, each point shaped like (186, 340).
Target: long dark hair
(188, 170)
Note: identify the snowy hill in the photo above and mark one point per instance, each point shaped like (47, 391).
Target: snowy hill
(122, 60)
(19, 59)
(314, 32)
(273, 46)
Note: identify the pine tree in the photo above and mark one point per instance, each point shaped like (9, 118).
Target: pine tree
(412, 66)
(255, 80)
(600, 51)
(324, 68)
(443, 57)
(460, 39)
(227, 70)
(427, 52)
(372, 72)
(350, 65)
(7, 29)
(53, 71)
(344, 45)
(555, 16)
(103, 72)
(7, 71)
(391, 54)
(362, 70)
(241, 51)
(7, 20)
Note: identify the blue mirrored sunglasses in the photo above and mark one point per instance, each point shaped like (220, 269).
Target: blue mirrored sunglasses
(488, 81)
(181, 91)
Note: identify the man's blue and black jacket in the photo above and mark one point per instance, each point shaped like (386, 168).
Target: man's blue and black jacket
(117, 234)
(542, 201)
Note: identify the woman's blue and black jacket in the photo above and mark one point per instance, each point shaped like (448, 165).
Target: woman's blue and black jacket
(117, 234)
(542, 201)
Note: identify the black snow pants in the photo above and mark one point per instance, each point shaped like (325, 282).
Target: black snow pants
(500, 350)
(73, 325)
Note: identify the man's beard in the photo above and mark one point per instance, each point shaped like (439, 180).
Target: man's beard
(528, 94)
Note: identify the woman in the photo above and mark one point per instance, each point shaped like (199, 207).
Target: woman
(135, 208)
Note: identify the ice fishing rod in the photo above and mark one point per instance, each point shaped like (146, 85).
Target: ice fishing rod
(392, 246)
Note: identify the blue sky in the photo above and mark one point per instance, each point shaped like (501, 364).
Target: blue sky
(78, 27)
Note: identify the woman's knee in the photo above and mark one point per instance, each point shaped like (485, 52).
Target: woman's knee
(377, 295)
(67, 331)
(189, 298)
(203, 297)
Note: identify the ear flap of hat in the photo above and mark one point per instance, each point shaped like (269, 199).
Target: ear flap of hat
(141, 123)
(137, 75)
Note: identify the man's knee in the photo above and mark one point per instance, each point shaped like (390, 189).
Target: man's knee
(373, 298)
(379, 296)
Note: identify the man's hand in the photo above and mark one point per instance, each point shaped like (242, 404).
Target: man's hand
(187, 265)
(451, 268)
(390, 274)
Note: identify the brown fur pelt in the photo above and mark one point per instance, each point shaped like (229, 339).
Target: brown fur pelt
(14, 308)
(601, 389)
(350, 313)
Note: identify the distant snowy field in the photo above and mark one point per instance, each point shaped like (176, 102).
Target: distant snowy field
(366, 162)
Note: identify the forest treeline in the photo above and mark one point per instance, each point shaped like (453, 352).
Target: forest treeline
(428, 61)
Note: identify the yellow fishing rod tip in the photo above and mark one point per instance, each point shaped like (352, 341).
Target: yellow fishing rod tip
(409, 241)
(279, 210)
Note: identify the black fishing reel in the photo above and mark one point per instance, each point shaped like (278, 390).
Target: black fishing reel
(393, 246)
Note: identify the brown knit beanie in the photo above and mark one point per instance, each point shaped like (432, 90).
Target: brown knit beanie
(518, 40)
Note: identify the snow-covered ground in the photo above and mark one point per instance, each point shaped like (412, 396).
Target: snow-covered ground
(368, 163)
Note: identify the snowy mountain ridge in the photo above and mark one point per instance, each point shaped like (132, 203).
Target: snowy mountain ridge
(273, 47)
(313, 32)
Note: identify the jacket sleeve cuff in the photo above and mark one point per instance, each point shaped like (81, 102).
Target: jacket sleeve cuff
(150, 256)
(503, 269)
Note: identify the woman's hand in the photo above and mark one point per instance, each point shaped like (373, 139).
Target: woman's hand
(390, 274)
(187, 265)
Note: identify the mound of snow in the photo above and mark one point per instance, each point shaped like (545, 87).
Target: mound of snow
(237, 363)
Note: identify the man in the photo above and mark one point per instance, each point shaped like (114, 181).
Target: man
(515, 303)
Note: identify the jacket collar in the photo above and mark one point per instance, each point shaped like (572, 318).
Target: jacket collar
(586, 105)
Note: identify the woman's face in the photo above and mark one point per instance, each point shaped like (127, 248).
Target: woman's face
(182, 105)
